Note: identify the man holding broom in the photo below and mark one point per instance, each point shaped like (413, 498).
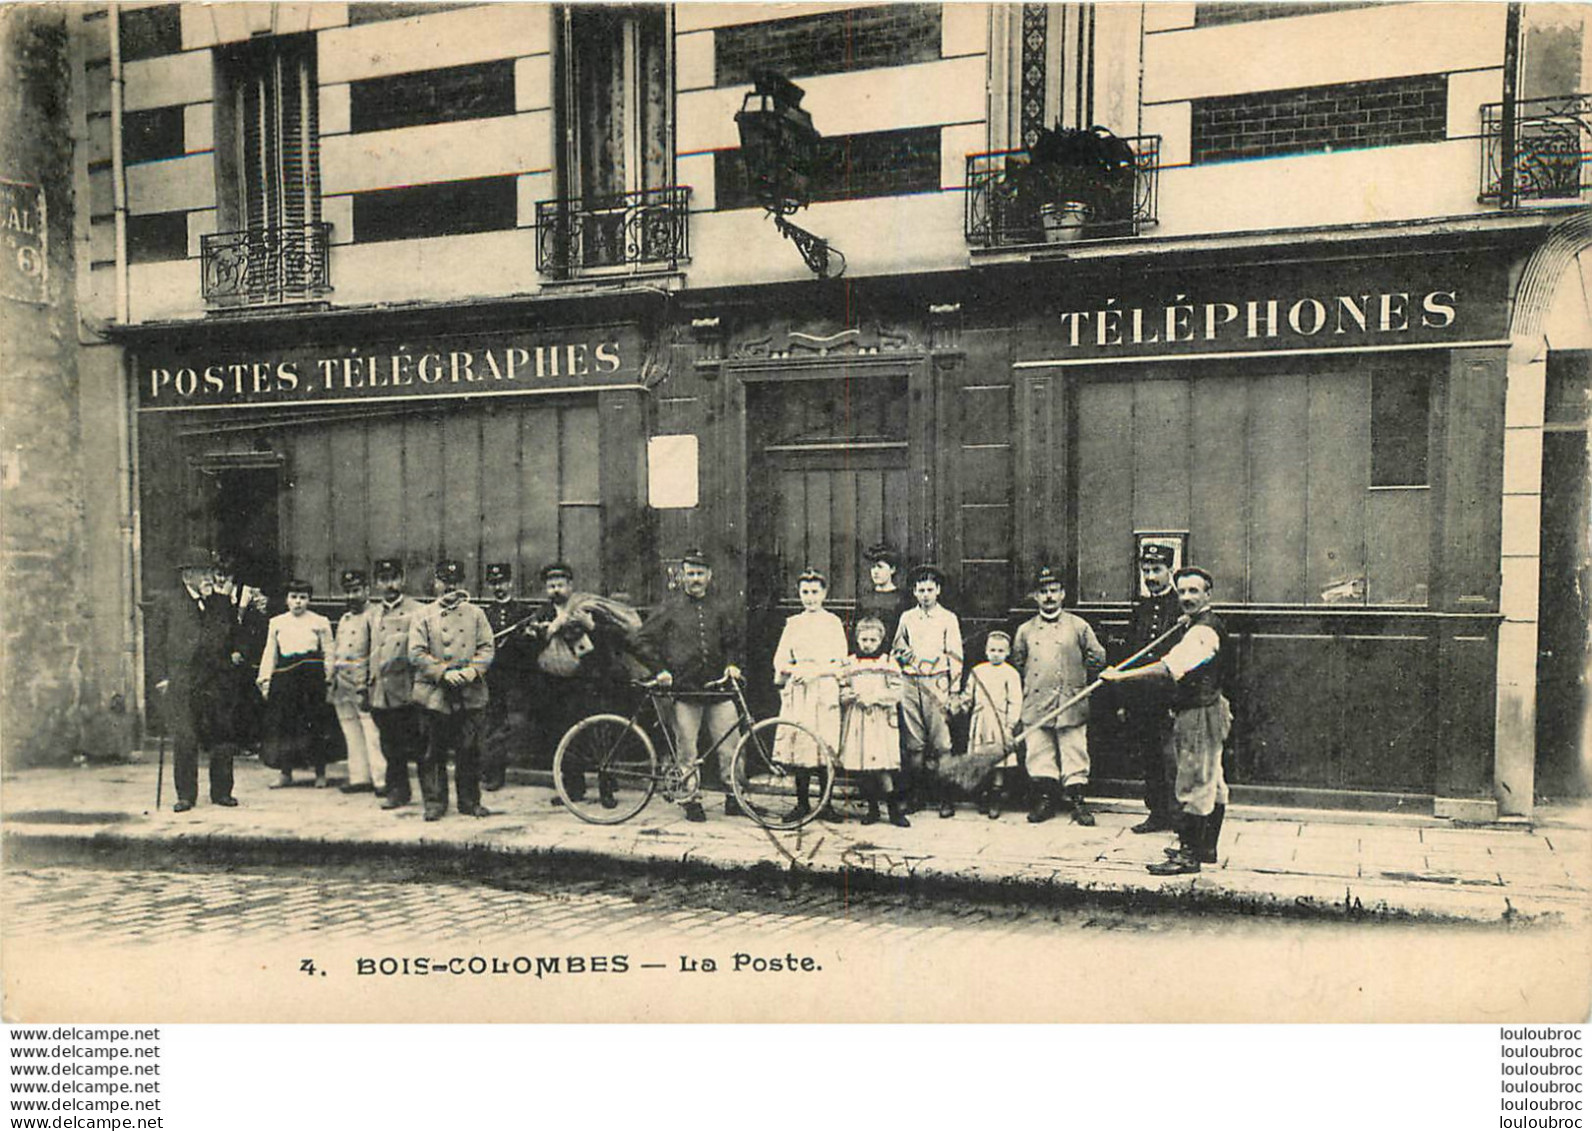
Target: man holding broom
(1201, 720)
(1058, 654)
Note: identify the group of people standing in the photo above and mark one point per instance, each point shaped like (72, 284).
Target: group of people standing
(409, 682)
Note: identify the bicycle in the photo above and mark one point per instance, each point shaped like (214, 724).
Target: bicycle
(619, 753)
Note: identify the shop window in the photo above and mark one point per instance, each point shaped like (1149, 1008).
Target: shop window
(449, 94)
(890, 35)
(447, 208)
(157, 237)
(152, 135)
(149, 32)
(1400, 414)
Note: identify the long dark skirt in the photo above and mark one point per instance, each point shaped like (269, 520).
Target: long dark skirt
(300, 726)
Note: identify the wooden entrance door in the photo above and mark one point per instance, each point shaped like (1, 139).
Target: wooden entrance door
(829, 476)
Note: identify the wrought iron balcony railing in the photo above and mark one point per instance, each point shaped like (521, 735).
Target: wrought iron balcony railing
(607, 235)
(1552, 142)
(266, 266)
(1003, 212)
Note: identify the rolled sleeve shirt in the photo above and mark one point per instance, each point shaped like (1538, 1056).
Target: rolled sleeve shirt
(1197, 648)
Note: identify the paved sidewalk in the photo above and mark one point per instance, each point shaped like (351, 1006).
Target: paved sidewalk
(1296, 862)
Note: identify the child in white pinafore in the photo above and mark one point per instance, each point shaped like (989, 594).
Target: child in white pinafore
(997, 694)
(872, 744)
(808, 663)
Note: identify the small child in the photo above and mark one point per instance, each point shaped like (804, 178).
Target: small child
(872, 744)
(997, 693)
(808, 663)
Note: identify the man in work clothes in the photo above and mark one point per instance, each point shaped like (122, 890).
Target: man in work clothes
(695, 639)
(928, 646)
(1057, 654)
(351, 649)
(1201, 721)
(579, 683)
(392, 681)
(451, 648)
(1144, 707)
(195, 631)
(508, 682)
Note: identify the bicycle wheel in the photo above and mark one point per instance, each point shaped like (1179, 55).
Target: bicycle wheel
(764, 778)
(605, 769)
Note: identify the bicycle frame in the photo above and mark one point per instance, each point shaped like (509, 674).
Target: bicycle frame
(658, 698)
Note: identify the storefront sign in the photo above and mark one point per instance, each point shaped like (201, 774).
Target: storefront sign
(24, 243)
(453, 367)
(1293, 311)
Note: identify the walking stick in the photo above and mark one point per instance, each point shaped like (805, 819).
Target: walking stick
(1182, 623)
(160, 765)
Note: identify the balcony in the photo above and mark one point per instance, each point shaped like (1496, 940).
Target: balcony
(616, 235)
(1000, 214)
(1550, 151)
(266, 266)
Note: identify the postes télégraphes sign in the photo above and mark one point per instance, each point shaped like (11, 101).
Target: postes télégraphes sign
(1330, 307)
(480, 365)
(24, 247)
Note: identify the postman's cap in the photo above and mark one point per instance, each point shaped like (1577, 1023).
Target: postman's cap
(1156, 553)
(450, 572)
(353, 579)
(388, 567)
(557, 569)
(499, 573)
(1045, 575)
(696, 557)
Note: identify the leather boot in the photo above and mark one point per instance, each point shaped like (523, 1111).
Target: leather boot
(1213, 833)
(1047, 795)
(1185, 859)
(898, 816)
(1081, 813)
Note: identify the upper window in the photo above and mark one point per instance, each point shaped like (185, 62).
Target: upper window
(451, 94)
(614, 101)
(849, 167)
(1205, 15)
(152, 135)
(267, 135)
(855, 39)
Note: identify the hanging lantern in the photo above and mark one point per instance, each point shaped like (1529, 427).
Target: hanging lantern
(779, 145)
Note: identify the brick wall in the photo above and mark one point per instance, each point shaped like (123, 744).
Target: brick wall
(849, 40)
(1355, 115)
(1207, 15)
(850, 167)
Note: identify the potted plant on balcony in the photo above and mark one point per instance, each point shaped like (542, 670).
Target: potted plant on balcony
(1073, 181)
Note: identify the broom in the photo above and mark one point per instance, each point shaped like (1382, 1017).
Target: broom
(970, 770)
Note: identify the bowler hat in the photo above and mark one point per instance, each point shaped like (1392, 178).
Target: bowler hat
(499, 573)
(194, 557)
(1156, 553)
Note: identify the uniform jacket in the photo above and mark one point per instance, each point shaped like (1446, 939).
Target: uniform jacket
(444, 638)
(693, 640)
(515, 654)
(392, 679)
(351, 656)
(1152, 616)
(1057, 659)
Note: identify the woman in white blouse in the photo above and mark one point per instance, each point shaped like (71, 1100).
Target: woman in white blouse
(293, 680)
(808, 664)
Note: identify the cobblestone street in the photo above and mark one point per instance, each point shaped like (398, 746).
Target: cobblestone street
(72, 904)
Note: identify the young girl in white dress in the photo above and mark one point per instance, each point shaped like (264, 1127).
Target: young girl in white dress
(997, 694)
(872, 744)
(808, 664)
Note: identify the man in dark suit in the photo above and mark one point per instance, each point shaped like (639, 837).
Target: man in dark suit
(194, 630)
(1144, 707)
(509, 679)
